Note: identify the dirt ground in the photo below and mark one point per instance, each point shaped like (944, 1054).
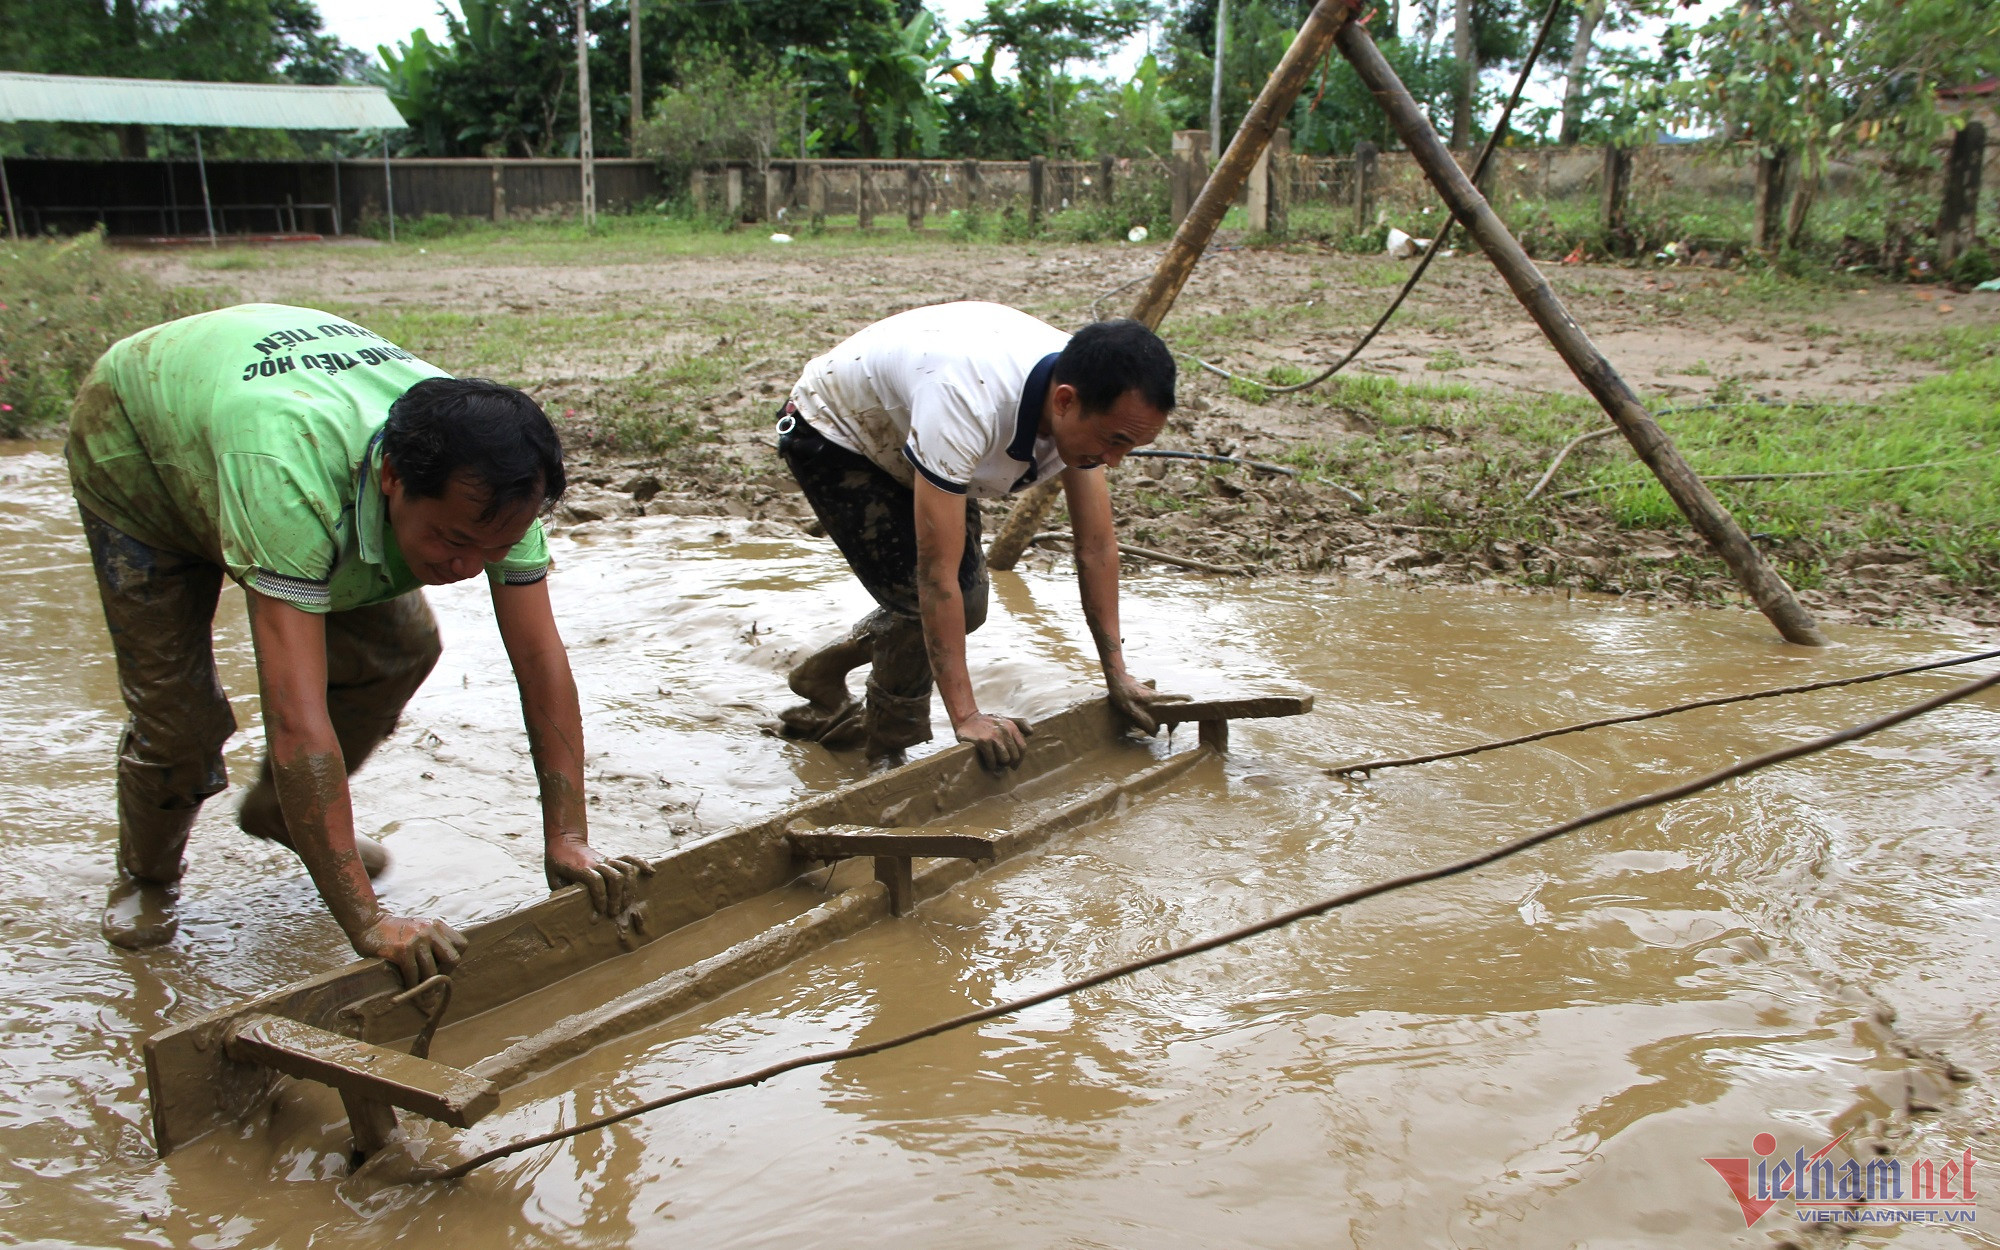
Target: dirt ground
(1681, 337)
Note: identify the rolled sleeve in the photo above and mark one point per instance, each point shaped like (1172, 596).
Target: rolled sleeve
(949, 437)
(274, 530)
(526, 563)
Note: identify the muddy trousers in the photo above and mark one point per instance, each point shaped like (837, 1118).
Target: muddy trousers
(871, 517)
(160, 606)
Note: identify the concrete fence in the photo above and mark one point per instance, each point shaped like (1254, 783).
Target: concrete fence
(162, 197)
(916, 191)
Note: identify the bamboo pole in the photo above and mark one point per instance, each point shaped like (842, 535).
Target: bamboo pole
(638, 76)
(1253, 136)
(1709, 518)
(208, 205)
(587, 164)
(7, 200)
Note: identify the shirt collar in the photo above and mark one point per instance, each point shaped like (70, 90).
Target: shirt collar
(371, 510)
(1028, 422)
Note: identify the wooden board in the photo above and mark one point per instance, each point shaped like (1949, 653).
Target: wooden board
(196, 1086)
(847, 912)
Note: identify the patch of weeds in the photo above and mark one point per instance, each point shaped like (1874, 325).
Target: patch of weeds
(1729, 389)
(1383, 273)
(645, 433)
(1248, 391)
(1446, 359)
(62, 302)
(966, 225)
(231, 260)
(1015, 227)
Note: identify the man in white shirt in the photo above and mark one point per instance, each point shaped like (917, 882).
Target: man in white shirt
(895, 435)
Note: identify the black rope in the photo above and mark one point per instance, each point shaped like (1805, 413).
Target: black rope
(1279, 921)
(1370, 766)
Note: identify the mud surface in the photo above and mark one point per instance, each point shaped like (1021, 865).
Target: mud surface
(1659, 327)
(710, 344)
(1540, 1054)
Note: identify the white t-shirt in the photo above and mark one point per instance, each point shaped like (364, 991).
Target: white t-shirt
(953, 391)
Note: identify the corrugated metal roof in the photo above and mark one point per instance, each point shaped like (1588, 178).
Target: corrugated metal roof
(167, 102)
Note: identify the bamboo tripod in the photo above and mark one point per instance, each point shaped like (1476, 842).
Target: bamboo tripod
(1327, 26)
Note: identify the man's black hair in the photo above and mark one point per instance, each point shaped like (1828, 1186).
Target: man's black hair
(1107, 358)
(494, 434)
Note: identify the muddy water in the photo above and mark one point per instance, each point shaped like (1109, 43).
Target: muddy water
(1538, 1055)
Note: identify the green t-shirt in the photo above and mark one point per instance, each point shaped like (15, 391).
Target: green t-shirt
(248, 436)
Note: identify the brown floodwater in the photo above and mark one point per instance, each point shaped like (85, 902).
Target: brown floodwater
(1540, 1054)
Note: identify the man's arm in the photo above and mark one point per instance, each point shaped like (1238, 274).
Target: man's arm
(555, 740)
(311, 776)
(1000, 740)
(1096, 542)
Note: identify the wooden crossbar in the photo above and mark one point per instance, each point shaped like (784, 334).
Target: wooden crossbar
(362, 1070)
(1232, 709)
(893, 851)
(851, 841)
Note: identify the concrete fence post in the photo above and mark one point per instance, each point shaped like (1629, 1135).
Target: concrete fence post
(1617, 186)
(1188, 171)
(913, 195)
(1958, 218)
(1366, 159)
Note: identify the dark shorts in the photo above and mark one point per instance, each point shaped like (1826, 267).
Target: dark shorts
(872, 517)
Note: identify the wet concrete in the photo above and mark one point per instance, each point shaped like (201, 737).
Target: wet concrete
(1541, 1054)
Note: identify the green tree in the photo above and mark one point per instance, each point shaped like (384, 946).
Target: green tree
(719, 112)
(984, 116)
(202, 40)
(1044, 36)
(1805, 80)
(1335, 111)
(1132, 118)
(881, 87)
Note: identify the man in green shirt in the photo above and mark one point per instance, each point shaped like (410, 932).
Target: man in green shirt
(331, 474)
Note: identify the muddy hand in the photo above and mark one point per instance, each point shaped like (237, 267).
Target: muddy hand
(1002, 741)
(419, 948)
(610, 880)
(1137, 699)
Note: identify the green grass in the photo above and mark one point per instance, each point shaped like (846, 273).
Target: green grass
(640, 382)
(1950, 513)
(62, 302)
(1424, 442)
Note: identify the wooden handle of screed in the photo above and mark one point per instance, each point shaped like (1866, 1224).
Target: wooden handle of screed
(1273, 105)
(1709, 518)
